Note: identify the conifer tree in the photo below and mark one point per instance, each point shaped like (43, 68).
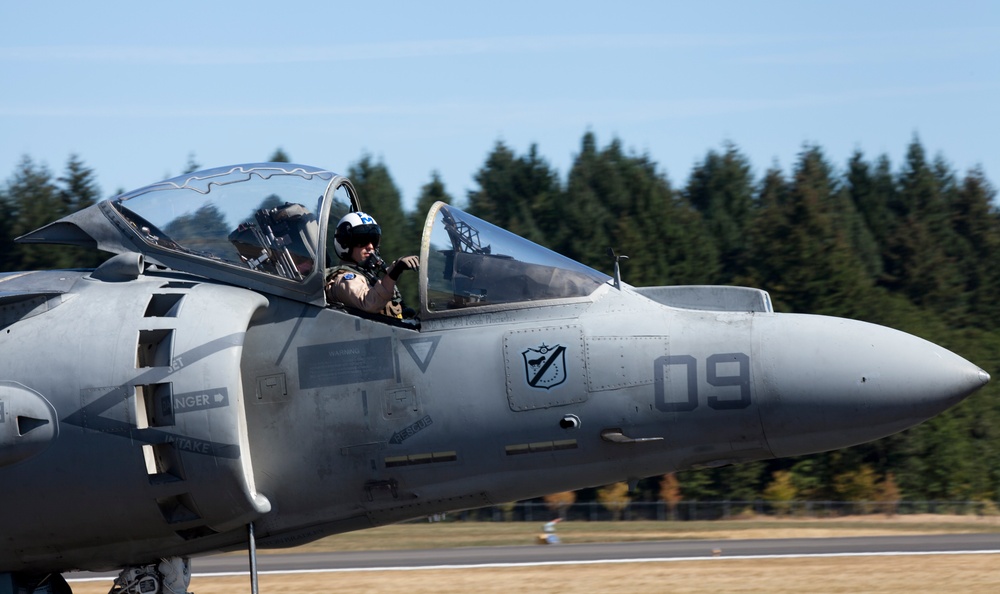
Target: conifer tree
(78, 189)
(721, 188)
(6, 234)
(433, 191)
(279, 156)
(380, 198)
(871, 191)
(516, 193)
(918, 262)
(976, 221)
(620, 201)
(192, 165)
(584, 220)
(767, 224)
(33, 201)
(807, 256)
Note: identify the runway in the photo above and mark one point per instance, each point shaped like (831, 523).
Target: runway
(645, 551)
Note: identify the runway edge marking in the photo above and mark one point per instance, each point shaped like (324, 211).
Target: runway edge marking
(593, 562)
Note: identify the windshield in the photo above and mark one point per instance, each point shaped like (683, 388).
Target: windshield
(257, 217)
(471, 263)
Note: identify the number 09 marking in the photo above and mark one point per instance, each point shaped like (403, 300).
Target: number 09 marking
(740, 379)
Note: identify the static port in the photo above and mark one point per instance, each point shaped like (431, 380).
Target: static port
(570, 422)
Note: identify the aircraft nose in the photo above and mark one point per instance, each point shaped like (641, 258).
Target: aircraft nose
(827, 383)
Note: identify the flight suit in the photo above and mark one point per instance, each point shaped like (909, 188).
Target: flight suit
(361, 289)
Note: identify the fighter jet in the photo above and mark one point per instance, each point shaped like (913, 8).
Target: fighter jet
(197, 393)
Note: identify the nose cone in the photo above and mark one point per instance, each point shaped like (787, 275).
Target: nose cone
(826, 383)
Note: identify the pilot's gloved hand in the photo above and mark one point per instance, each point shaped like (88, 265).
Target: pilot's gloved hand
(404, 263)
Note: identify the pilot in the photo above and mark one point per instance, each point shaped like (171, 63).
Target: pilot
(362, 280)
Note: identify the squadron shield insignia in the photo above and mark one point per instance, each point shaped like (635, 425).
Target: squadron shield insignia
(545, 366)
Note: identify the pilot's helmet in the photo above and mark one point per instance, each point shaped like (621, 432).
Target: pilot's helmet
(354, 229)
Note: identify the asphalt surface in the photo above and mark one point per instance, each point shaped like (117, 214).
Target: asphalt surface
(592, 553)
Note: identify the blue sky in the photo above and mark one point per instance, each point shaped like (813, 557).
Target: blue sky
(134, 88)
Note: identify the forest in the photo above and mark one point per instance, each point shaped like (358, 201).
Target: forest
(911, 245)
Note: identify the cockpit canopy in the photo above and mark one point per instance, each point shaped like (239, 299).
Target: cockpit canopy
(269, 227)
(257, 225)
(467, 262)
(261, 218)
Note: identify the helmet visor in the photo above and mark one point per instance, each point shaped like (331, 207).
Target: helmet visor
(361, 235)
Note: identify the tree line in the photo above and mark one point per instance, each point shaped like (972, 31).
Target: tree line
(914, 246)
